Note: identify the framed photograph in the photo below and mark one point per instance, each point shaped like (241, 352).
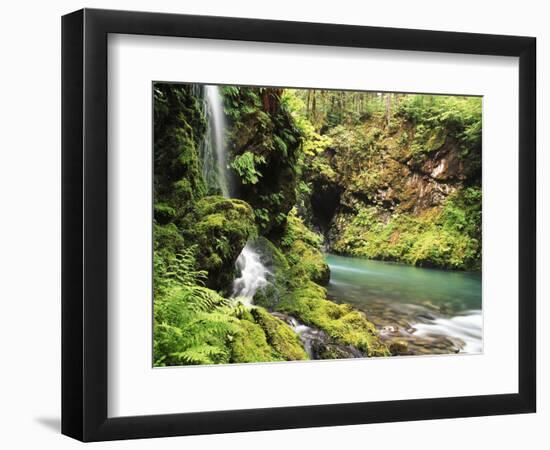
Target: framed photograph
(274, 224)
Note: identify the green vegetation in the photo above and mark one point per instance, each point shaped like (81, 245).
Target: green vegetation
(219, 229)
(384, 176)
(447, 237)
(263, 144)
(341, 322)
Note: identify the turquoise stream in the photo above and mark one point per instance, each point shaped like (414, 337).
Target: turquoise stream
(434, 311)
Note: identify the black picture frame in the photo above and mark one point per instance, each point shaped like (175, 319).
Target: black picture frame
(84, 224)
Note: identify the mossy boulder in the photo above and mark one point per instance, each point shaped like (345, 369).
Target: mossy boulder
(280, 336)
(220, 228)
(262, 337)
(167, 239)
(249, 344)
(308, 262)
(342, 322)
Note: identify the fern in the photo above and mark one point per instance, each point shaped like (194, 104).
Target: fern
(245, 166)
(193, 324)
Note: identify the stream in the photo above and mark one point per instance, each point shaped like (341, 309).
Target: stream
(422, 311)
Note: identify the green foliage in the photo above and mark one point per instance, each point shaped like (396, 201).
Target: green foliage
(179, 125)
(246, 166)
(363, 162)
(448, 237)
(264, 143)
(457, 116)
(296, 230)
(313, 143)
(191, 324)
(220, 228)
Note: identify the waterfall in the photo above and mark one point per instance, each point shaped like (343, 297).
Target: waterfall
(212, 149)
(253, 275)
(213, 154)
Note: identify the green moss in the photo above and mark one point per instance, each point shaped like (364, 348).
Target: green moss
(302, 249)
(275, 261)
(272, 256)
(179, 126)
(264, 143)
(249, 344)
(220, 228)
(447, 237)
(341, 322)
(280, 336)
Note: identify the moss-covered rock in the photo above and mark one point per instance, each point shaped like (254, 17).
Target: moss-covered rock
(220, 228)
(303, 252)
(262, 337)
(280, 336)
(264, 144)
(341, 322)
(274, 260)
(249, 344)
(334, 351)
(179, 127)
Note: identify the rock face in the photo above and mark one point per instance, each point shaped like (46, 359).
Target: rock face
(264, 144)
(395, 186)
(178, 130)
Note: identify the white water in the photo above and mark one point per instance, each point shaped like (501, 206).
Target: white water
(253, 275)
(213, 151)
(465, 327)
(304, 333)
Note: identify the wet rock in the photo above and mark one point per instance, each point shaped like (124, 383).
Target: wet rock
(322, 350)
(285, 318)
(427, 316)
(400, 347)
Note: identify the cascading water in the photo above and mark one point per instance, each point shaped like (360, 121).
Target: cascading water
(212, 149)
(253, 275)
(214, 158)
(466, 327)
